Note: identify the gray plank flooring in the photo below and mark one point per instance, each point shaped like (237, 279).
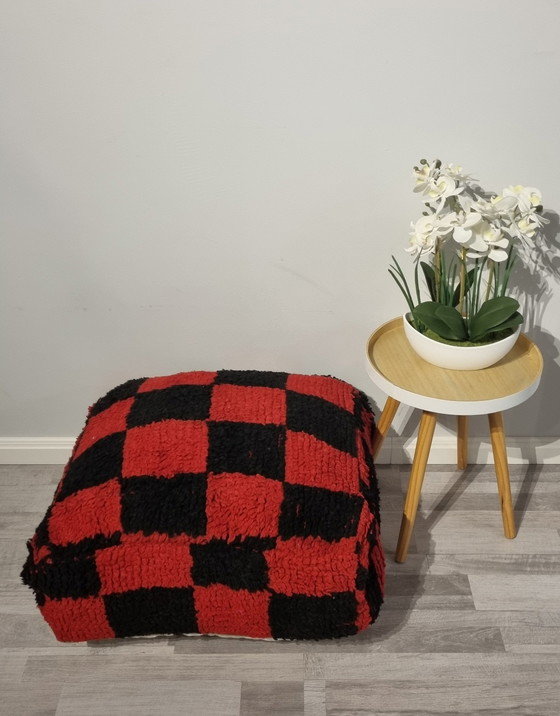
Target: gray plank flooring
(471, 623)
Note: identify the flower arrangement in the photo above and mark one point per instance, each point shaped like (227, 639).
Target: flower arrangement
(471, 240)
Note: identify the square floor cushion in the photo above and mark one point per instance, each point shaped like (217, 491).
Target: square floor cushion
(230, 502)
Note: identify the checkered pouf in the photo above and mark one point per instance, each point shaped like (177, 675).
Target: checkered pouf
(229, 502)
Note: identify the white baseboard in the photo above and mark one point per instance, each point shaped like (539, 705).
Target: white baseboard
(396, 451)
(35, 451)
(520, 450)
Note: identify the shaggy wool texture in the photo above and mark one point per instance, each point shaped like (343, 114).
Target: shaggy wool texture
(229, 502)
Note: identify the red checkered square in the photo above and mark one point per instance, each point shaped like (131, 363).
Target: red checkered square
(335, 391)
(312, 462)
(144, 563)
(166, 449)
(89, 512)
(312, 566)
(221, 610)
(70, 618)
(200, 377)
(242, 505)
(245, 404)
(112, 420)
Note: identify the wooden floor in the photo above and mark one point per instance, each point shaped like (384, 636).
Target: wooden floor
(471, 623)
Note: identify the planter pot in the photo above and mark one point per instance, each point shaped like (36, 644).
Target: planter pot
(458, 357)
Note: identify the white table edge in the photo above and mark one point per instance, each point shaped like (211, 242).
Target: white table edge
(449, 407)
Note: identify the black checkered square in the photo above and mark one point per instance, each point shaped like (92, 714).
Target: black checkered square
(316, 512)
(158, 610)
(324, 420)
(267, 379)
(99, 463)
(173, 506)
(247, 448)
(180, 402)
(237, 565)
(302, 617)
(61, 579)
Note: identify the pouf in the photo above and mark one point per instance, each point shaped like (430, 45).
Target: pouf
(228, 502)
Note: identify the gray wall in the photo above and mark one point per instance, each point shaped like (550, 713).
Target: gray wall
(206, 184)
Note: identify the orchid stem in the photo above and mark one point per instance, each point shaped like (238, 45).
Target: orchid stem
(490, 280)
(437, 269)
(462, 279)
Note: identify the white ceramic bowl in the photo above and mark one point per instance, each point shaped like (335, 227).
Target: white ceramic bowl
(458, 357)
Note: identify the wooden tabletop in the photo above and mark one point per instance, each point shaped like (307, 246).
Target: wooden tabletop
(394, 366)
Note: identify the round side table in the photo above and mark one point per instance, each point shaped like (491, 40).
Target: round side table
(406, 378)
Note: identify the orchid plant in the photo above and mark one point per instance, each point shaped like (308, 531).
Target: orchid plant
(470, 239)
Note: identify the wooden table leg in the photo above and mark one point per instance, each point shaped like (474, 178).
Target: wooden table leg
(423, 444)
(462, 442)
(383, 425)
(502, 472)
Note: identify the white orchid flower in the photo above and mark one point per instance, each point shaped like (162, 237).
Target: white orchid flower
(487, 240)
(425, 232)
(527, 227)
(441, 189)
(524, 228)
(456, 172)
(424, 175)
(463, 226)
(499, 205)
(527, 197)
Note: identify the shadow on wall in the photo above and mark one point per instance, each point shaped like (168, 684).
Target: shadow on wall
(536, 275)
(536, 272)
(541, 411)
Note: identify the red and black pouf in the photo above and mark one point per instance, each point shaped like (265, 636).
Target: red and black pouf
(230, 502)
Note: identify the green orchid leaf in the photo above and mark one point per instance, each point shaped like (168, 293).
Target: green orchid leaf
(430, 276)
(403, 288)
(494, 312)
(513, 322)
(400, 279)
(443, 320)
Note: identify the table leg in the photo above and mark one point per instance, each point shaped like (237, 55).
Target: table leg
(462, 442)
(423, 444)
(383, 425)
(502, 472)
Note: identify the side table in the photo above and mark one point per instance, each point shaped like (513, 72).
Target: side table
(405, 377)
